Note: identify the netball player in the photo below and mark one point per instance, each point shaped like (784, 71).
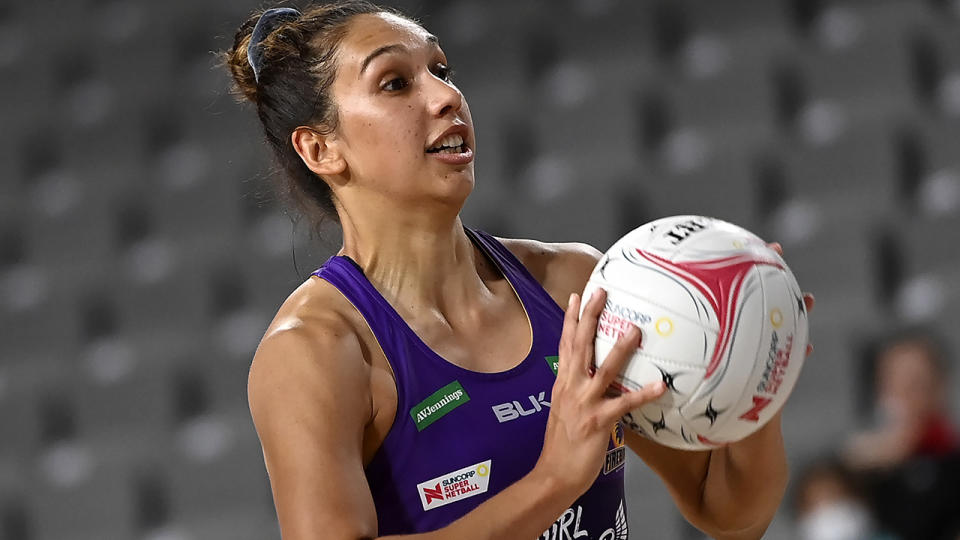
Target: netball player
(426, 382)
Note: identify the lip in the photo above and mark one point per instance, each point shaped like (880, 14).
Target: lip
(455, 159)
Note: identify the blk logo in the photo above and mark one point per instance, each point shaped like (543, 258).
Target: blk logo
(512, 410)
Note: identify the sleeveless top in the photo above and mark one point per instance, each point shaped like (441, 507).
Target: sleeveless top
(460, 437)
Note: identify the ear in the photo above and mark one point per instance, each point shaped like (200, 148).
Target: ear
(319, 152)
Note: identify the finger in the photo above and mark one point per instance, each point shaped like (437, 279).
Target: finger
(569, 329)
(587, 326)
(809, 349)
(809, 301)
(776, 247)
(615, 408)
(617, 358)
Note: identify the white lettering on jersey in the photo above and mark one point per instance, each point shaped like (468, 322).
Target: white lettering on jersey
(512, 410)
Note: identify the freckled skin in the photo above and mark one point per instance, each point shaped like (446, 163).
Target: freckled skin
(371, 118)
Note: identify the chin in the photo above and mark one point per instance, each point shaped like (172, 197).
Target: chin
(456, 187)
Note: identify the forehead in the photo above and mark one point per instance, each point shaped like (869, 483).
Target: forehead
(369, 32)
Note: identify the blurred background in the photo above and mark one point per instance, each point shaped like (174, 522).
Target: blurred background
(143, 253)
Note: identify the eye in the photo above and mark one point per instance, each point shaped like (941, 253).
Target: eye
(444, 72)
(395, 84)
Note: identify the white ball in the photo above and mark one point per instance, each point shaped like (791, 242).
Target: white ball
(723, 322)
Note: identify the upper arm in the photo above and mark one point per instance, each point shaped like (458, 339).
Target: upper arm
(309, 397)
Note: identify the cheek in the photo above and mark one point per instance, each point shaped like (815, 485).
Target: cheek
(386, 131)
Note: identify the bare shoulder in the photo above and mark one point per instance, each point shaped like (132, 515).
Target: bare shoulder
(310, 398)
(312, 344)
(560, 267)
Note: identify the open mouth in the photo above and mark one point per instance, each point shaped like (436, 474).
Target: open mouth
(451, 144)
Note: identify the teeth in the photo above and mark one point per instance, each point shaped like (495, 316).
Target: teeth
(450, 141)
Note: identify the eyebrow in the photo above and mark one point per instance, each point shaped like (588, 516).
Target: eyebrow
(392, 48)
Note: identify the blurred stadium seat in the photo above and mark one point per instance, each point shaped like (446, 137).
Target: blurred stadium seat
(142, 253)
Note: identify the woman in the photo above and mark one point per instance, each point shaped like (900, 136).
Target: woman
(425, 382)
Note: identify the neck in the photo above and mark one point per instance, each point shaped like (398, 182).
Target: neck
(418, 263)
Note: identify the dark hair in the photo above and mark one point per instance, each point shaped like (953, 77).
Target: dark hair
(933, 344)
(297, 67)
(828, 466)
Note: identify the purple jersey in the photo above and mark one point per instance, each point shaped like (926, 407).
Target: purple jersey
(460, 437)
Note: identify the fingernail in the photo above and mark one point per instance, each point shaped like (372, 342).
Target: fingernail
(570, 300)
(660, 386)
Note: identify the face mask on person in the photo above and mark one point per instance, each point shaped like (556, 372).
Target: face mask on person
(840, 521)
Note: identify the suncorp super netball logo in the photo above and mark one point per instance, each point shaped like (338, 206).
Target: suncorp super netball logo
(455, 486)
(774, 371)
(616, 319)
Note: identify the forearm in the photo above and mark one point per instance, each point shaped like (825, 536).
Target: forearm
(745, 483)
(522, 511)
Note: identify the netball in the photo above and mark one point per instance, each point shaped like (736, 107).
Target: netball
(723, 325)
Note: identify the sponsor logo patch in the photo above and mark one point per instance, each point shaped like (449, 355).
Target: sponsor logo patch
(438, 404)
(553, 362)
(455, 486)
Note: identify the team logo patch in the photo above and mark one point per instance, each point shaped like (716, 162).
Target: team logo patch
(455, 486)
(438, 404)
(617, 453)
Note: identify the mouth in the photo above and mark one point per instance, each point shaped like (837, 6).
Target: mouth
(449, 144)
(451, 147)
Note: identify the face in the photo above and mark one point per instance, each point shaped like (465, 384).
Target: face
(907, 381)
(397, 108)
(828, 511)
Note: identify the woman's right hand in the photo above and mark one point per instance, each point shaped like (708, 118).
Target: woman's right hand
(582, 414)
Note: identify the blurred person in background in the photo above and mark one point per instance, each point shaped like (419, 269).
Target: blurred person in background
(910, 460)
(359, 107)
(829, 504)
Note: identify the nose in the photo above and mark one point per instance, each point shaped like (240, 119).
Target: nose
(444, 97)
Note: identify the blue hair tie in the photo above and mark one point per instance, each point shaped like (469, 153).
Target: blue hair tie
(267, 23)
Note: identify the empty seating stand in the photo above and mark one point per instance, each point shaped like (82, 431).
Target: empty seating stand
(142, 252)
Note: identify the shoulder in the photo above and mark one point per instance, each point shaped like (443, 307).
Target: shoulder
(311, 348)
(314, 314)
(560, 267)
